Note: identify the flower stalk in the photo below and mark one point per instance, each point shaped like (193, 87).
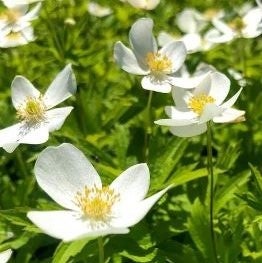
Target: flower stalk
(101, 250)
(147, 126)
(212, 190)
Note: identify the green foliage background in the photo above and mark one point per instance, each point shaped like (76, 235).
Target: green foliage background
(108, 125)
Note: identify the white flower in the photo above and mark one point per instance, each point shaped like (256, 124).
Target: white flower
(144, 4)
(37, 118)
(16, 17)
(247, 25)
(204, 103)
(194, 42)
(92, 210)
(5, 255)
(145, 59)
(191, 22)
(13, 3)
(19, 38)
(98, 10)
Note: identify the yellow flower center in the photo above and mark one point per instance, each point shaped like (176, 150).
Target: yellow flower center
(237, 24)
(210, 13)
(14, 35)
(11, 15)
(97, 203)
(32, 111)
(158, 63)
(198, 102)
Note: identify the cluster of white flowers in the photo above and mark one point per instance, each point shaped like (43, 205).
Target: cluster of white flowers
(198, 98)
(15, 22)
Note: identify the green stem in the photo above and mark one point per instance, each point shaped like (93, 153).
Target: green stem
(101, 250)
(147, 126)
(212, 188)
(21, 163)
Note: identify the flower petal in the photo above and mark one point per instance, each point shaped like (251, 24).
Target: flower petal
(56, 117)
(204, 86)
(220, 85)
(188, 82)
(230, 115)
(32, 135)
(132, 184)
(189, 130)
(209, 112)
(126, 59)
(131, 215)
(22, 88)
(5, 255)
(176, 52)
(63, 171)
(32, 14)
(69, 226)
(142, 40)
(162, 85)
(215, 36)
(229, 103)
(61, 88)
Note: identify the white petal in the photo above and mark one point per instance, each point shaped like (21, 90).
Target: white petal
(180, 97)
(209, 112)
(10, 147)
(215, 36)
(98, 10)
(222, 27)
(5, 255)
(144, 4)
(61, 88)
(252, 19)
(165, 38)
(142, 40)
(176, 52)
(69, 226)
(229, 103)
(188, 82)
(230, 115)
(132, 184)
(31, 135)
(22, 88)
(32, 14)
(56, 117)
(192, 41)
(126, 59)
(10, 134)
(220, 85)
(188, 21)
(189, 131)
(180, 116)
(204, 86)
(131, 215)
(63, 171)
(152, 83)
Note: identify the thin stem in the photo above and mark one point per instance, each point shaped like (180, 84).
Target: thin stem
(101, 250)
(212, 188)
(21, 163)
(147, 126)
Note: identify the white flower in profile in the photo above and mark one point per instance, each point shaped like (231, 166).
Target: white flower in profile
(247, 25)
(92, 210)
(193, 109)
(144, 58)
(17, 17)
(18, 38)
(34, 110)
(5, 255)
(144, 4)
(98, 10)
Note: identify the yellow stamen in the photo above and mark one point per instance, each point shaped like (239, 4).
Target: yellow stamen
(158, 63)
(97, 203)
(14, 35)
(32, 111)
(237, 24)
(210, 13)
(198, 102)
